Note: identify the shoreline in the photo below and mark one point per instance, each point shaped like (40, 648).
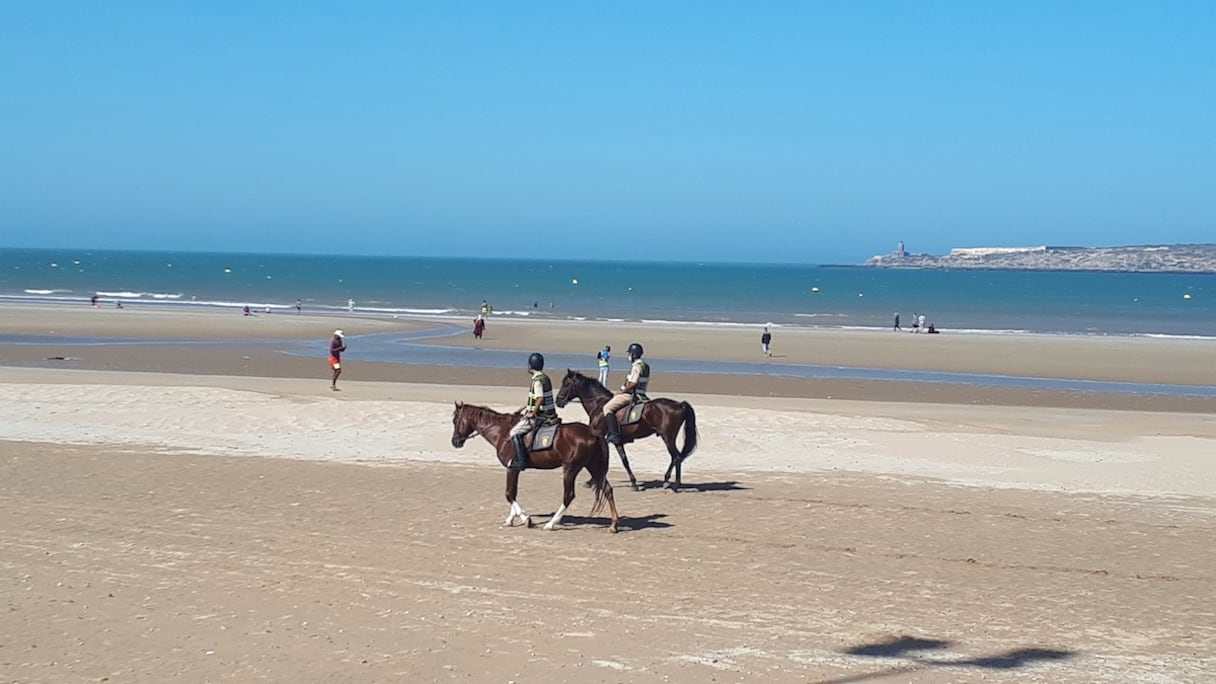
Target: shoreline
(231, 344)
(541, 316)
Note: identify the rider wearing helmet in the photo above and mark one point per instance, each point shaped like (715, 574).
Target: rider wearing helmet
(540, 410)
(635, 385)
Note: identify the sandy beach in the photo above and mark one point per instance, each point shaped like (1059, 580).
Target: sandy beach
(212, 511)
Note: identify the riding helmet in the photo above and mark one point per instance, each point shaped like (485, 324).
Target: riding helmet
(635, 349)
(536, 362)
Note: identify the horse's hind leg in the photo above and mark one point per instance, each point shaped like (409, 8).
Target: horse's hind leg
(569, 474)
(633, 481)
(676, 461)
(516, 511)
(611, 505)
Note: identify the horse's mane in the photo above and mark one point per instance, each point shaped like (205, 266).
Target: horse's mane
(480, 411)
(591, 383)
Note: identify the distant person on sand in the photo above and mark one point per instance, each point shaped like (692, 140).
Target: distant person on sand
(247, 312)
(601, 358)
(920, 323)
(93, 301)
(479, 326)
(932, 329)
(337, 345)
(485, 308)
(766, 339)
(299, 307)
(350, 305)
(897, 328)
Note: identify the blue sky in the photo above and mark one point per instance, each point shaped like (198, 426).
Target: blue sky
(772, 131)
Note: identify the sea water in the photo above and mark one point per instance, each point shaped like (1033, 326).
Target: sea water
(975, 301)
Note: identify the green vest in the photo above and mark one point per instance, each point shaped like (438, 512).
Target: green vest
(643, 376)
(548, 406)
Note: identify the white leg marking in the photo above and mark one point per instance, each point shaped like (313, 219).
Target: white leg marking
(557, 518)
(515, 511)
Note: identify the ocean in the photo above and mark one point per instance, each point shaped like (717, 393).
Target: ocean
(971, 301)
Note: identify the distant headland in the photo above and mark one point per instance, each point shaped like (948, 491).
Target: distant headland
(1200, 258)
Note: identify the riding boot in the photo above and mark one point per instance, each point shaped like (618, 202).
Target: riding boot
(521, 454)
(614, 429)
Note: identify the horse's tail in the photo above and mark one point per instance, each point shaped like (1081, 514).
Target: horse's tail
(599, 476)
(690, 430)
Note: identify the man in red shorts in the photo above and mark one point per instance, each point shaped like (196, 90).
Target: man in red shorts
(336, 346)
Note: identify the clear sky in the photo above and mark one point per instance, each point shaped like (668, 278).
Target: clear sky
(767, 131)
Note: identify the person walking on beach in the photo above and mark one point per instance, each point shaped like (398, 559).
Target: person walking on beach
(350, 305)
(897, 328)
(766, 339)
(541, 409)
(485, 308)
(299, 307)
(479, 326)
(635, 386)
(601, 358)
(920, 323)
(337, 345)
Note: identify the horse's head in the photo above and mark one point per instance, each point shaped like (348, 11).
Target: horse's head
(569, 389)
(462, 425)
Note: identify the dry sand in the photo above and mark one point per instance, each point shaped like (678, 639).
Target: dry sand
(213, 525)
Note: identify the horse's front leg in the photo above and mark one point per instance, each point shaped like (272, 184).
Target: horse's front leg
(633, 481)
(568, 476)
(516, 511)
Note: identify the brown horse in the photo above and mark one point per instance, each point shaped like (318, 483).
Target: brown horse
(662, 417)
(575, 447)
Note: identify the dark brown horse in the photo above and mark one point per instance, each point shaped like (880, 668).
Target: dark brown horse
(662, 417)
(575, 447)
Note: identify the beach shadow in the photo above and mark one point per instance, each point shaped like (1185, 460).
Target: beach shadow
(918, 655)
(897, 647)
(724, 486)
(654, 521)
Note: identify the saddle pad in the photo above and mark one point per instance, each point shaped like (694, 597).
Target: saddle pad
(633, 413)
(544, 437)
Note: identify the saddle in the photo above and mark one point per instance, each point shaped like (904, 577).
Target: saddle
(544, 436)
(633, 412)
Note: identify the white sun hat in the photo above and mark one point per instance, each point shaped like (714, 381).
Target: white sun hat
(338, 333)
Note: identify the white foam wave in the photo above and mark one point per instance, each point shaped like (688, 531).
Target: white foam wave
(412, 312)
(127, 294)
(714, 324)
(46, 292)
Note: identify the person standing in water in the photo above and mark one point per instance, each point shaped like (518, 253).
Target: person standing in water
(601, 360)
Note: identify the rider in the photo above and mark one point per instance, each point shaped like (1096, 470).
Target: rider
(635, 386)
(540, 410)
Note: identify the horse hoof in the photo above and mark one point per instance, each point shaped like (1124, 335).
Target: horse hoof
(530, 523)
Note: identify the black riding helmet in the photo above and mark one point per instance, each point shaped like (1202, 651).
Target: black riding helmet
(536, 362)
(635, 349)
